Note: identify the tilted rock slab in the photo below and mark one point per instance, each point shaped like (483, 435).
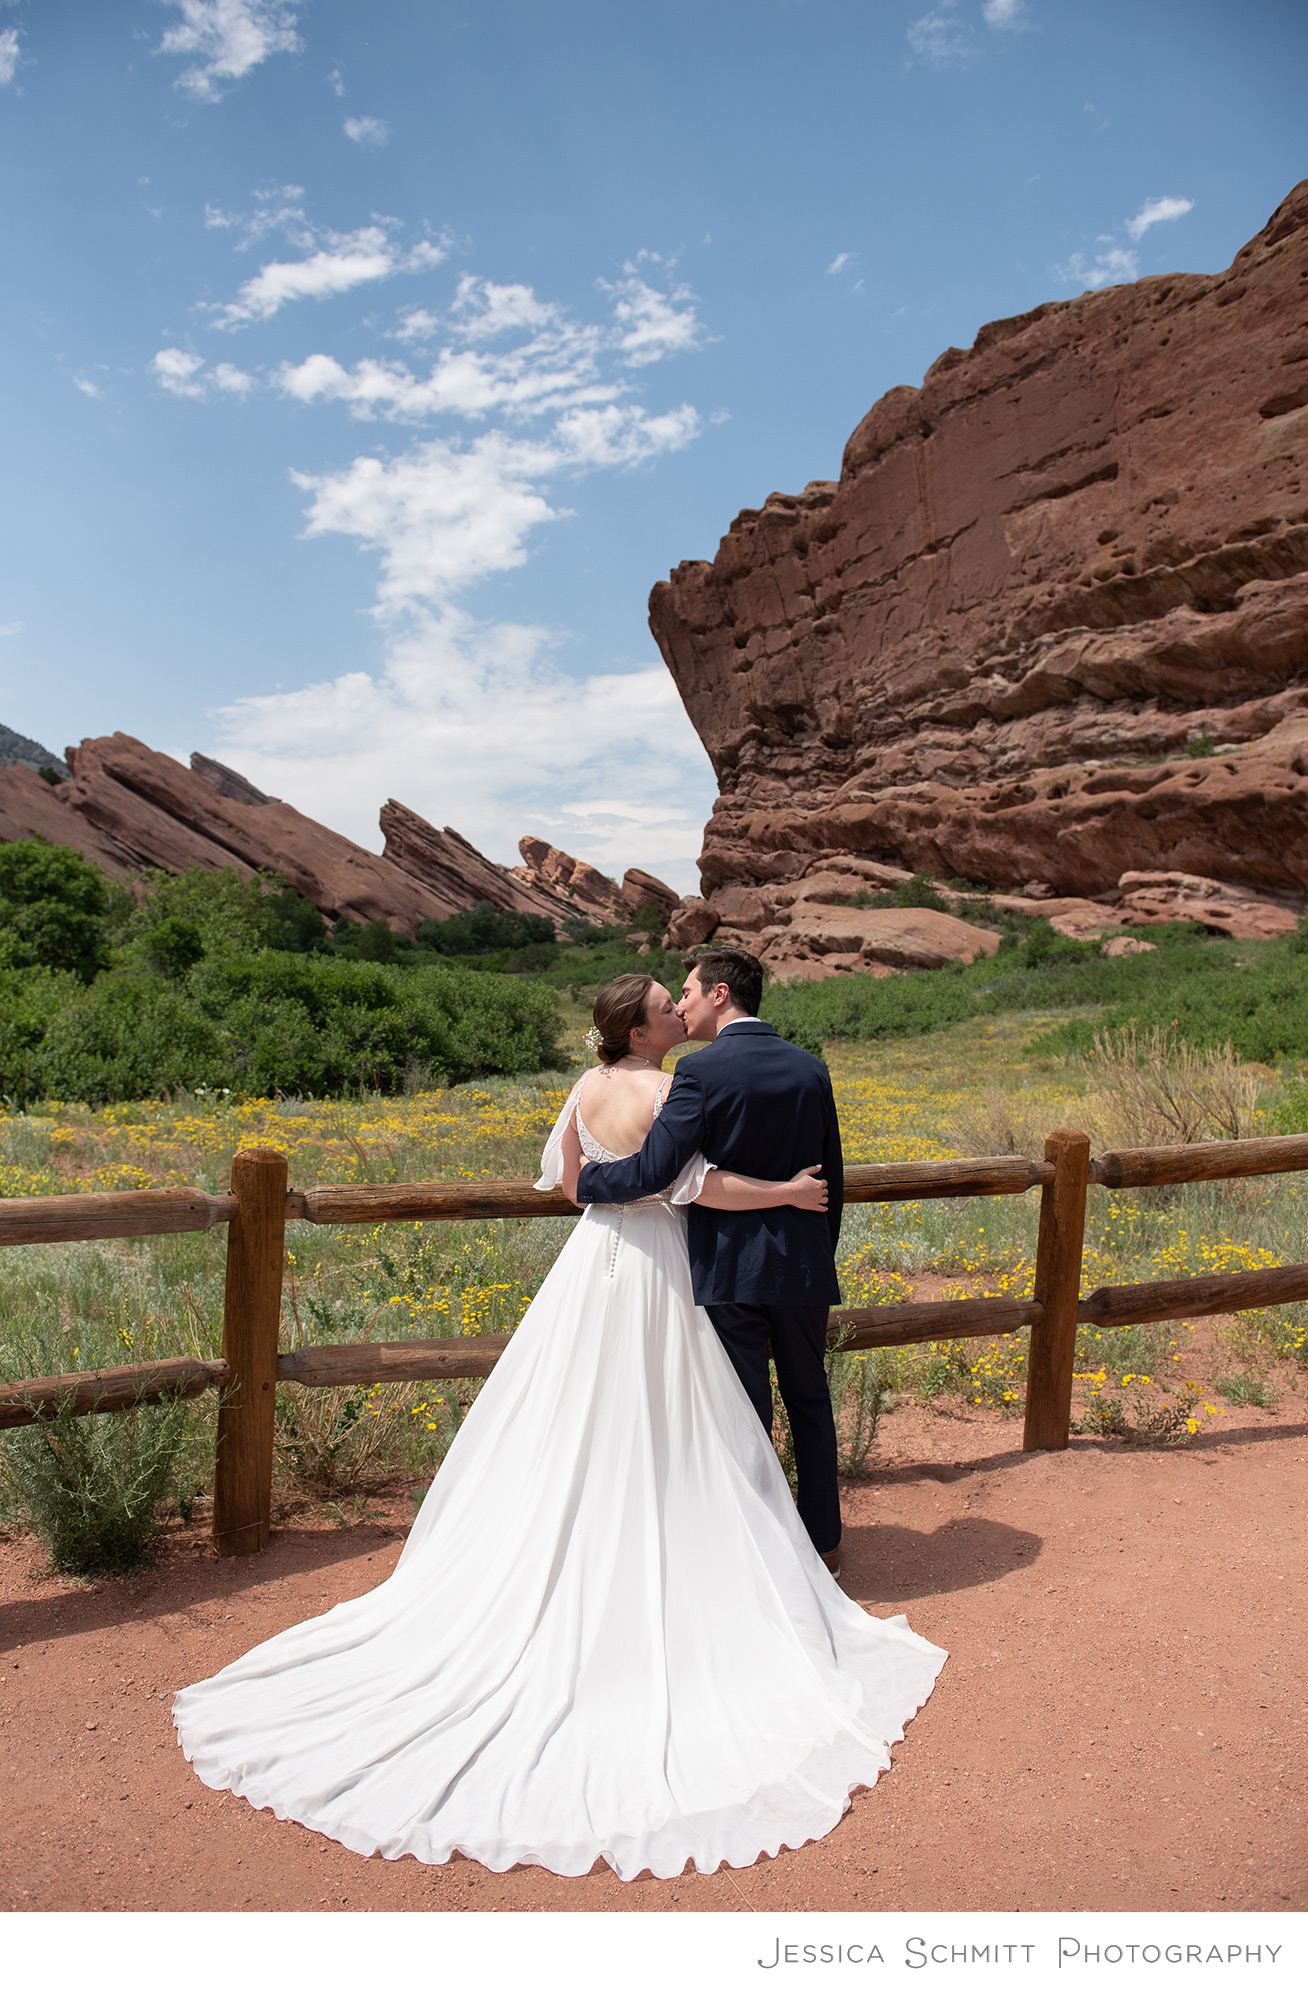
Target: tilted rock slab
(163, 816)
(1050, 624)
(455, 872)
(130, 808)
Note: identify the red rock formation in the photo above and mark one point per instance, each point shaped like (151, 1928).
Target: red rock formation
(1051, 623)
(130, 808)
(643, 892)
(452, 869)
(165, 816)
(32, 809)
(584, 891)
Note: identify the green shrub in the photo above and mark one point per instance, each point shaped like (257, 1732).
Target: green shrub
(1214, 990)
(484, 928)
(273, 1022)
(229, 913)
(93, 1488)
(53, 909)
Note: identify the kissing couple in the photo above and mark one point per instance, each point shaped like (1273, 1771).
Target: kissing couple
(612, 1634)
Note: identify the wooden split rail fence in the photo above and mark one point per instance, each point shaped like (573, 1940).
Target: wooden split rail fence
(260, 1205)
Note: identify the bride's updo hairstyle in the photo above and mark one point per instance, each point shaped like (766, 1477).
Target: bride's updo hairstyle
(619, 1007)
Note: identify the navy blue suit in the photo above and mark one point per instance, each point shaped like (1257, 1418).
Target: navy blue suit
(754, 1104)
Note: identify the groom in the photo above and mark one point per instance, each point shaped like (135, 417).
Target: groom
(754, 1104)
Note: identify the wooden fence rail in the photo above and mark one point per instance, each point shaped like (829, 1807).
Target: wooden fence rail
(260, 1205)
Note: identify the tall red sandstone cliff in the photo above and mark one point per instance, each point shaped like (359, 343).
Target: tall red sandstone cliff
(1076, 554)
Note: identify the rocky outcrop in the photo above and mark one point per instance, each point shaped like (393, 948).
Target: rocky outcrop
(1049, 625)
(641, 891)
(164, 816)
(129, 808)
(1175, 898)
(30, 809)
(453, 870)
(578, 887)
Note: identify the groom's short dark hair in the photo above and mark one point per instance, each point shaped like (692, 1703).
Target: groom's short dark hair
(739, 971)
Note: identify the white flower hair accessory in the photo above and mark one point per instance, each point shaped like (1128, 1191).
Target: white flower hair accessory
(593, 1039)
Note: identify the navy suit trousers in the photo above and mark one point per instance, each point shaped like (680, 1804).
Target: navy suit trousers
(797, 1335)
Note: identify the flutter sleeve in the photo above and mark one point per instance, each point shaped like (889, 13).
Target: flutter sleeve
(551, 1160)
(689, 1184)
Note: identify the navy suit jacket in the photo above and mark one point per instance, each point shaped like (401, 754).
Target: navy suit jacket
(757, 1105)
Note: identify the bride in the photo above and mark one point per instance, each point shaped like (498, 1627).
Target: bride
(608, 1635)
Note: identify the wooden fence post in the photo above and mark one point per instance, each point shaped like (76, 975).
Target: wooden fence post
(1057, 1289)
(242, 1494)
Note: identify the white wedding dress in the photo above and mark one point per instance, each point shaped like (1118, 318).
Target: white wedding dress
(608, 1634)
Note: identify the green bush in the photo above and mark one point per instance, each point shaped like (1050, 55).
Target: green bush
(1214, 989)
(54, 908)
(93, 1488)
(227, 912)
(276, 1021)
(483, 928)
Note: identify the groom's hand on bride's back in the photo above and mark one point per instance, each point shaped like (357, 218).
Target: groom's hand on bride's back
(808, 1189)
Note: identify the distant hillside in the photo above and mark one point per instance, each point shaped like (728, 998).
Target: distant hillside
(16, 749)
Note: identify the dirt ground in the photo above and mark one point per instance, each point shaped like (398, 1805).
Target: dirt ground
(1120, 1726)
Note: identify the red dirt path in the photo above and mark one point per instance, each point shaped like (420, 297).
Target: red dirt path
(1121, 1724)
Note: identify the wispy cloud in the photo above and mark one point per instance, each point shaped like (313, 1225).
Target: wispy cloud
(1112, 262)
(336, 83)
(1005, 14)
(370, 133)
(940, 40)
(1159, 208)
(9, 55)
(480, 727)
(556, 364)
(340, 263)
(183, 373)
(471, 722)
(11, 631)
(89, 388)
(839, 263)
(228, 38)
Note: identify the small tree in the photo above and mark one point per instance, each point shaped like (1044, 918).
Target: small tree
(53, 908)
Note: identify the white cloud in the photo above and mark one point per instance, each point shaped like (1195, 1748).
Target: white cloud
(940, 40)
(229, 38)
(479, 728)
(651, 324)
(1004, 13)
(837, 264)
(1159, 208)
(233, 380)
(557, 365)
(440, 516)
(8, 55)
(1113, 264)
(336, 83)
(176, 370)
(475, 723)
(11, 631)
(342, 262)
(417, 326)
(367, 132)
(181, 373)
(88, 388)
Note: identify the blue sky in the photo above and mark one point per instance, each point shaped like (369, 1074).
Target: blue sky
(364, 364)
